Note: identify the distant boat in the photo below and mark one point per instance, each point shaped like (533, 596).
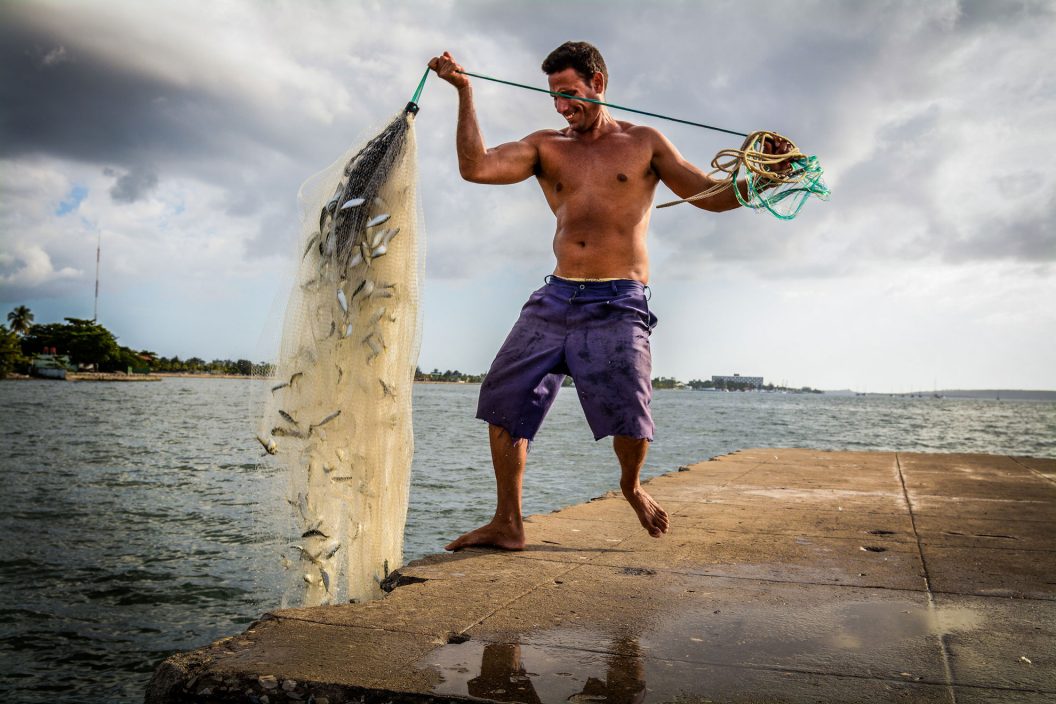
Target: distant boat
(50, 366)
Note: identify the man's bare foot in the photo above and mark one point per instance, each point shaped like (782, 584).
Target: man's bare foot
(497, 534)
(652, 516)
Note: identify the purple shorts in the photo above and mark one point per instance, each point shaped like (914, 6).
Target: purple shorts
(598, 333)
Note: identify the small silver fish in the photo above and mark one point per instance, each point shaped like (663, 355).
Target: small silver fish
(378, 219)
(269, 445)
(333, 329)
(356, 259)
(311, 243)
(379, 251)
(326, 579)
(370, 342)
(389, 234)
(283, 385)
(314, 533)
(368, 288)
(281, 432)
(359, 288)
(378, 238)
(365, 251)
(326, 420)
(329, 550)
(287, 417)
(341, 301)
(331, 204)
(353, 203)
(305, 555)
(378, 313)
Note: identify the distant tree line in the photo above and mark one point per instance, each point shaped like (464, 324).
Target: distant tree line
(729, 385)
(89, 345)
(448, 376)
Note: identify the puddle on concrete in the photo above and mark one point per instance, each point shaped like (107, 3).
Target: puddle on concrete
(511, 672)
(581, 664)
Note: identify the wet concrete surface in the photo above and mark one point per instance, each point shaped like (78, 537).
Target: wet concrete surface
(788, 576)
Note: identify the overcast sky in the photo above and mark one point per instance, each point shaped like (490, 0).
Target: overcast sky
(178, 134)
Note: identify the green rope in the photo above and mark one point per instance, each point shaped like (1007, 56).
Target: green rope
(608, 105)
(421, 84)
(783, 200)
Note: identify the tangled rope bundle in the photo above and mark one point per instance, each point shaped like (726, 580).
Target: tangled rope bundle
(780, 191)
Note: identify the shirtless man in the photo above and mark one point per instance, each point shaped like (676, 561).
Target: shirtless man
(591, 319)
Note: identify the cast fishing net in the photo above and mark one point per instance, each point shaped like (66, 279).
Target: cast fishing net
(777, 183)
(339, 411)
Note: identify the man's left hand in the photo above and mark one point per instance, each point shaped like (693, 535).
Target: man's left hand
(778, 145)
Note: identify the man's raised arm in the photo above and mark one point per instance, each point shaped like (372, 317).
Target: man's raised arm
(507, 163)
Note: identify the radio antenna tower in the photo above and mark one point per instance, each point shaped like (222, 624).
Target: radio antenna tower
(98, 247)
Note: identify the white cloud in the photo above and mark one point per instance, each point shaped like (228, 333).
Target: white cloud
(28, 267)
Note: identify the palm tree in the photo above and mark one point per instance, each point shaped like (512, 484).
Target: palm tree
(21, 320)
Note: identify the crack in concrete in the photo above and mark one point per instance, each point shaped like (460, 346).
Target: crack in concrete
(944, 647)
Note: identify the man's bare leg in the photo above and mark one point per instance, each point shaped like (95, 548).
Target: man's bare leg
(631, 453)
(506, 529)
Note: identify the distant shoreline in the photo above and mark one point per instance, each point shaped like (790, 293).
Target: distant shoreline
(965, 394)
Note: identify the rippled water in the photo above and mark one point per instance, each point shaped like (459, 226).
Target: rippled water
(140, 518)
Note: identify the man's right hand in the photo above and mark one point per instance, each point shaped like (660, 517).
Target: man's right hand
(446, 67)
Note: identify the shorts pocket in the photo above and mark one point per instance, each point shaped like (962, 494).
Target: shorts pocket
(633, 306)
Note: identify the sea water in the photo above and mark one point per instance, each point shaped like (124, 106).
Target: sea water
(140, 518)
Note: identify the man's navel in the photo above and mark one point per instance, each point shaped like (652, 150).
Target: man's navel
(558, 187)
(621, 177)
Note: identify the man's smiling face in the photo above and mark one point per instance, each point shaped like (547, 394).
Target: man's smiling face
(580, 115)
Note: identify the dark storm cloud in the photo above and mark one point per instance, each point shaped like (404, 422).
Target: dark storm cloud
(82, 108)
(65, 100)
(133, 185)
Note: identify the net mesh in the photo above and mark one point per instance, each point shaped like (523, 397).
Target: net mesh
(338, 415)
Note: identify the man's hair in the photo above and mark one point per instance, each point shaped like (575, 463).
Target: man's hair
(584, 57)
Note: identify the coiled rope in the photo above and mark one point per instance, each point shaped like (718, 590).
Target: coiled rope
(777, 183)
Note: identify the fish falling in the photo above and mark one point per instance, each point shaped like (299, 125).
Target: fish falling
(338, 414)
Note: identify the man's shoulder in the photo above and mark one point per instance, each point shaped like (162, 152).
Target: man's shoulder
(542, 136)
(644, 132)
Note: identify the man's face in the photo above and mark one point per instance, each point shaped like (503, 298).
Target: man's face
(580, 115)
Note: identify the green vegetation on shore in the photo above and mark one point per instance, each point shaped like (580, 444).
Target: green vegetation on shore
(449, 376)
(668, 382)
(89, 345)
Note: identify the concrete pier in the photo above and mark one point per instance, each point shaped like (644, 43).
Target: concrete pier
(788, 576)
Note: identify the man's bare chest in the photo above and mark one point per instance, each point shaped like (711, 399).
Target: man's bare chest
(567, 164)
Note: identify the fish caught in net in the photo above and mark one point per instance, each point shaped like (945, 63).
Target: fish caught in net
(782, 193)
(338, 415)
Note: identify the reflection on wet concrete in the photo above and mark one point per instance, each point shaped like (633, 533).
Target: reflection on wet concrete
(748, 644)
(511, 672)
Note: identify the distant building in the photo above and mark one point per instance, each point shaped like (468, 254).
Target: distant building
(737, 381)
